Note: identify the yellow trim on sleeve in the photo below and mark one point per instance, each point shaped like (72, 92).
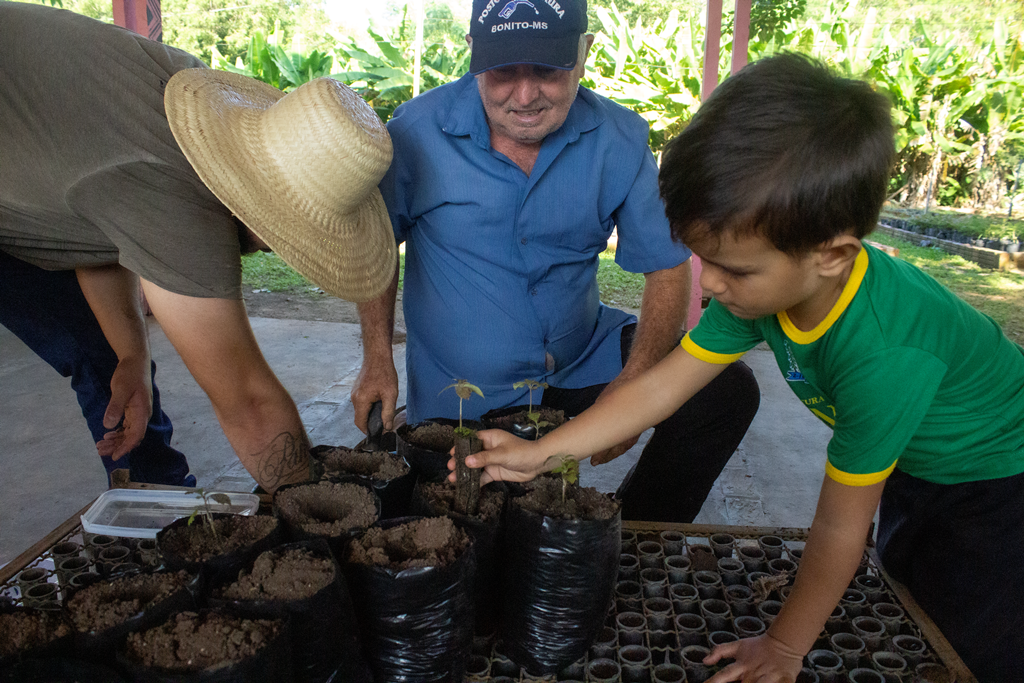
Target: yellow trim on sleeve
(857, 479)
(860, 267)
(707, 356)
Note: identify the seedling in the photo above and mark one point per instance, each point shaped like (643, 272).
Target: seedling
(467, 479)
(569, 468)
(533, 417)
(464, 390)
(206, 513)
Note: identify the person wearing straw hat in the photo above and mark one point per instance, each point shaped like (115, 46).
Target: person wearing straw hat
(127, 160)
(505, 187)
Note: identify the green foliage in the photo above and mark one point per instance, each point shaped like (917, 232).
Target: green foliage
(533, 417)
(569, 468)
(464, 390)
(206, 513)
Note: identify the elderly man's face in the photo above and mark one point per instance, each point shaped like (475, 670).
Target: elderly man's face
(526, 102)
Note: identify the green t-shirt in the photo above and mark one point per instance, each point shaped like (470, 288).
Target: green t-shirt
(90, 173)
(905, 373)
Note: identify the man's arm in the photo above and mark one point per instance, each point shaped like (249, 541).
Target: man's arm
(663, 312)
(378, 379)
(259, 418)
(834, 549)
(113, 295)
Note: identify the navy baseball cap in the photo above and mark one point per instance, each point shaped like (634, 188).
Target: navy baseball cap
(545, 32)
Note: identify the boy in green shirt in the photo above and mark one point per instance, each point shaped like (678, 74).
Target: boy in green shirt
(773, 184)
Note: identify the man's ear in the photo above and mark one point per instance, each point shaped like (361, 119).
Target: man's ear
(836, 255)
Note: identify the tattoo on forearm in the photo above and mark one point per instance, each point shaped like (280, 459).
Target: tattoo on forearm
(285, 460)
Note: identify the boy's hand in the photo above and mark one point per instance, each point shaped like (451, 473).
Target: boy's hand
(506, 458)
(758, 660)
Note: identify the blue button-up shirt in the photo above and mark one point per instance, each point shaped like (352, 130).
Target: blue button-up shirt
(501, 267)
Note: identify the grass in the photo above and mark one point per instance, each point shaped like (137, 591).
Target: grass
(997, 294)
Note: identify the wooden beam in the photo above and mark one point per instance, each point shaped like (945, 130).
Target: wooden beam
(712, 47)
(741, 35)
(141, 16)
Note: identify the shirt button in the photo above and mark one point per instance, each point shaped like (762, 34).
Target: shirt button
(522, 241)
(533, 292)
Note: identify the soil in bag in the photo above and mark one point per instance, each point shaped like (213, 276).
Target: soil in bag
(32, 634)
(332, 511)
(426, 445)
(104, 613)
(387, 473)
(210, 646)
(411, 581)
(232, 547)
(302, 581)
(560, 562)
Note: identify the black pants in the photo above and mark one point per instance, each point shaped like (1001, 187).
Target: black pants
(959, 549)
(687, 451)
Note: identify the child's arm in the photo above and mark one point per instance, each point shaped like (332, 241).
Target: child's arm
(628, 410)
(833, 552)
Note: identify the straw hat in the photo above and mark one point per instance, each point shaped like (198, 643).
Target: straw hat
(300, 170)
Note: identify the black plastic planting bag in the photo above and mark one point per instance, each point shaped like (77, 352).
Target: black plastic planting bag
(486, 535)
(427, 464)
(559, 579)
(222, 567)
(417, 623)
(338, 544)
(394, 493)
(100, 646)
(58, 671)
(270, 664)
(51, 622)
(324, 634)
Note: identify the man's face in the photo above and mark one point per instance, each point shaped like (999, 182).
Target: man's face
(752, 279)
(525, 102)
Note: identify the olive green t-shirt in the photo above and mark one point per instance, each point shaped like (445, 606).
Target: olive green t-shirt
(90, 173)
(906, 374)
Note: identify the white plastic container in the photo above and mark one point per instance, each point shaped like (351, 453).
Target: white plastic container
(141, 513)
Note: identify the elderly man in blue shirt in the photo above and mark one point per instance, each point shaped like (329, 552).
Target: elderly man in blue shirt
(505, 187)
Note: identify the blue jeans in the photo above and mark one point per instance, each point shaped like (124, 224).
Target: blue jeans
(47, 311)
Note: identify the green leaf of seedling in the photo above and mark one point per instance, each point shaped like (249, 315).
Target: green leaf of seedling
(192, 517)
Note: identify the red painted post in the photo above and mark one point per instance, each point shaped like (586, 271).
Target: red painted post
(712, 47)
(741, 35)
(141, 16)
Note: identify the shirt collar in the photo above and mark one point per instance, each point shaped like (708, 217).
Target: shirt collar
(467, 116)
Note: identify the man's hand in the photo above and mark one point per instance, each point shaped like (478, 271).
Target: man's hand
(377, 381)
(505, 457)
(757, 660)
(132, 399)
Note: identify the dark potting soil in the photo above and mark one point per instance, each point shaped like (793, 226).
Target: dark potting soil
(544, 497)
(20, 631)
(106, 604)
(442, 496)
(555, 417)
(328, 509)
(193, 642)
(428, 542)
(433, 437)
(292, 574)
(195, 543)
(379, 465)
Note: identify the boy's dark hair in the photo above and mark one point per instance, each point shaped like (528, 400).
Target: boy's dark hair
(784, 149)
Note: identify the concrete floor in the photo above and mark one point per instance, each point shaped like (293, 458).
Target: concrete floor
(51, 469)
